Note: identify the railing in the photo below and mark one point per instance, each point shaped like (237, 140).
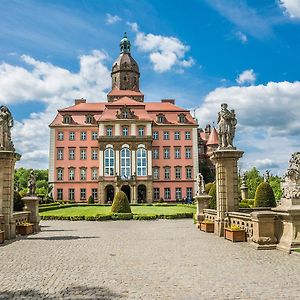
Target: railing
(243, 220)
(210, 214)
(21, 217)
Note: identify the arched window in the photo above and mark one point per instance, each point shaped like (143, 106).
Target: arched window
(141, 157)
(125, 163)
(109, 162)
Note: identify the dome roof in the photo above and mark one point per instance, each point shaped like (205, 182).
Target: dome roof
(125, 62)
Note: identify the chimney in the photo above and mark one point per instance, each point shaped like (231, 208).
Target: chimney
(172, 101)
(78, 101)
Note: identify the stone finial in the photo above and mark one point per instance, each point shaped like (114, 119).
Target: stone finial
(226, 127)
(200, 184)
(244, 180)
(31, 184)
(6, 124)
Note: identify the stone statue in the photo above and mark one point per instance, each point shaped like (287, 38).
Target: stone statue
(31, 184)
(227, 123)
(6, 123)
(267, 175)
(244, 180)
(200, 184)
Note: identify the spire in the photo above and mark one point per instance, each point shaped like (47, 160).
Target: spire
(125, 44)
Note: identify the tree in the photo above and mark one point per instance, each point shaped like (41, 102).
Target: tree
(275, 183)
(120, 203)
(213, 201)
(208, 174)
(264, 196)
(253, 180)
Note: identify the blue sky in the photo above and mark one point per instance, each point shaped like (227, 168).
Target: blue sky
(201, 53)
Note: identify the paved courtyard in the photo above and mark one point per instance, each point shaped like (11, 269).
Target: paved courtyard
(164, 259)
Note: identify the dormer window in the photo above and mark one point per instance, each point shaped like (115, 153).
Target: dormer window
(182, 118)
(67, 119)
(89, 119)
(161, 118)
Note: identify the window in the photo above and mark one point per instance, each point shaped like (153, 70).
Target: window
(177, 152)
(94, 173)
(60, 174)
(155, 153)
(189, 193)
(83, 174)
(71, 153)
(188, 172)
(60, 154)
(176, 135)
(83, 135)
(125, 163)
(94, 154)
(95, 194)
(67, 119)
(178, 193)
(89, 119)
(82, 194)
(94, 135)
(156, 193)
(141, 157)
(188, 153)
(156, 173)
(125, 131)
(167, 193)
(125, 112)
(109, 162)
(60, 136)
(160, 118)
(178, 172)
(182, 118)
(155, 135)
(187, 135)
(72, 194)
(166, 135)
(83, 154)
(167, 172)
(141, 131)
(71, 174)
(72, 136)
(59, 194)
(166, 152)
(109, 131)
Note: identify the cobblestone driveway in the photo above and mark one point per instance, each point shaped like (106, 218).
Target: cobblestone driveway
(164, 259)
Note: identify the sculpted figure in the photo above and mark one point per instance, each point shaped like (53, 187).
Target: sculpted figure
(31, 183)
(6, 123)
(200, 184)
(227, 124)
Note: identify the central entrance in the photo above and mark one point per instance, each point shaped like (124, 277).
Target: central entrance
(142, 190)
(126, 189)
(110, 193)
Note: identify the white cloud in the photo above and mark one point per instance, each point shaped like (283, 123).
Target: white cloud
(110, 19)
(164, 52)
(246, 77)
(268, 120)
(54, 86)
(242, 37)
(291, 7)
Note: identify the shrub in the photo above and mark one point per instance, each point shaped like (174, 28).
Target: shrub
(264, 196)
(91, 200)
(103, 217)
(122, 216)
(213, 201)
(145, 217)
(208, 187)
(120, 204)
(18, 203)
(161, 200)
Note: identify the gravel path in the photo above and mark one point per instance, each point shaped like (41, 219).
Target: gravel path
(163, 259)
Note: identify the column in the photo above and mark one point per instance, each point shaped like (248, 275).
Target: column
(101, 163)
(133, 129)
(195, 155)
(117, 162)
(149, 162)
(117, 129)
(133, 162)
(101, 130)
(227, 184)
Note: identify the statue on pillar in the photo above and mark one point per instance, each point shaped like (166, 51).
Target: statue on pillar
(267, 175)
(31, 184)
(227, 124)
(6, 124)
(200, 184)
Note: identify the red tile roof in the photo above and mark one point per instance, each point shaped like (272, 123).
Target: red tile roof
(213, 138)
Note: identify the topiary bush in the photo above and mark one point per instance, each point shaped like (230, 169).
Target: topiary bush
(120, 203)
(18, 203)
(91, 200)
(208, 187)
(264, 196)
(213, 201)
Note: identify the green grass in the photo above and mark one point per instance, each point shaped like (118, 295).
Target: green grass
(90, 211)
(297, 250)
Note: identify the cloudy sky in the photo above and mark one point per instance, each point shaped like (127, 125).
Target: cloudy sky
(245, 53)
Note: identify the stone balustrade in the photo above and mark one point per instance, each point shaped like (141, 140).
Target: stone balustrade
(21, 217)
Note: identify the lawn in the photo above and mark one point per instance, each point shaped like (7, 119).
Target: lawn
(90, 211)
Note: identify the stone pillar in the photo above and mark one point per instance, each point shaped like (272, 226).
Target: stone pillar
(31, 203)
(202, 203)
(133, 162)
(134, 193)
(244, 192)
(264, 233)
(117, 162)
(7, 163)
(227, 184)
(101, 163)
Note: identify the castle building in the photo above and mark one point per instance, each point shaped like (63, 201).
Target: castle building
(149, 150)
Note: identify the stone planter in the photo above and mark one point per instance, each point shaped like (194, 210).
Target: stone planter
(25, 229)
(207, 227)
(235, 235)
(1, 237)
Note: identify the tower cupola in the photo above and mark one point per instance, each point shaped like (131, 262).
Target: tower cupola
(125, 44)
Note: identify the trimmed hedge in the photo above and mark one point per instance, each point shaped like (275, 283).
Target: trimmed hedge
(264, 196)
(120, 203)
(122, 216)
(145, 217)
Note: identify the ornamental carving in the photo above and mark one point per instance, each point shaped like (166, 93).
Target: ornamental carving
(291, 183)
(125, 113)
(6, 124)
